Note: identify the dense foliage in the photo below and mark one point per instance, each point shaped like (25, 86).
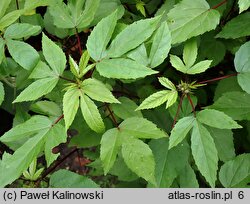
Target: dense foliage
(148, 93)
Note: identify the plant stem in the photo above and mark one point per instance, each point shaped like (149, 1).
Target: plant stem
(217, 79)
(58, 120)
(178, 110)
(66, 79)
(78, 42)
(55, 166)
(218, 5)
(192, 104)
(112, 115)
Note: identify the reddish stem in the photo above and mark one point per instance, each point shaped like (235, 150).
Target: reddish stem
(78, 42)
(55, 166)
(178, 110)
(192, 104)
(66, 79)
(112, 115)
(58, 120)
(217, 79)
(218, 5)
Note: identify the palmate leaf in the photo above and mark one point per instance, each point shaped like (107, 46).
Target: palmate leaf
(237, 27)
(9, 18)
(21, 30)
(190, 52)
(204, 152)
(125, 42)
(141, 128)
(110, 145)
(235, 104)
(155, 100)
(236, 173)
(100, 36)
(98, 91)
(188, 19)
(242, 65)
(168, 162)
(40, 130)
(137, 155)
(70, 105)
(216, 119)
(91, 114)
(160, 46)
(125, 109)
(67, 179)
(73, 15)
(139, 158)
(21, 51)
(41, 87)
(53, 55)
(122, 68)
(180, 130)
(224, 143)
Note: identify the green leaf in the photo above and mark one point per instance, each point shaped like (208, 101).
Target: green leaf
(110, 145)
(167, 83)
(2, 94)
(123, 69)
(88, 14)
(98, 91)
(9, 18)
(17, 163)
(41, 87)
(70, 105)
(139, 55)
(41, 70)
(100, 36)
(160, 46)
(236, 28)
(177, 63)
(242, 65)
(61, 15)
(204, 153)
(83, 62)
(243, 5)
(21, 51)
(180, 130)
(141, 128)
(154, 100)
(2, 50)
(53, 55)
(234, 104)
(236, 173)
(216, 119)
(139, 158)
(21, 30)
(168, 162)
(55, 136)
(91, 114)
(73, 67)
(67, 179)
(24, 130)
(125, 42)
(190, 52)
(46, 108)
(126, 108)
(224, 143)
(188, 19)
(199, 67)
(187, 178)
(3, 7)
